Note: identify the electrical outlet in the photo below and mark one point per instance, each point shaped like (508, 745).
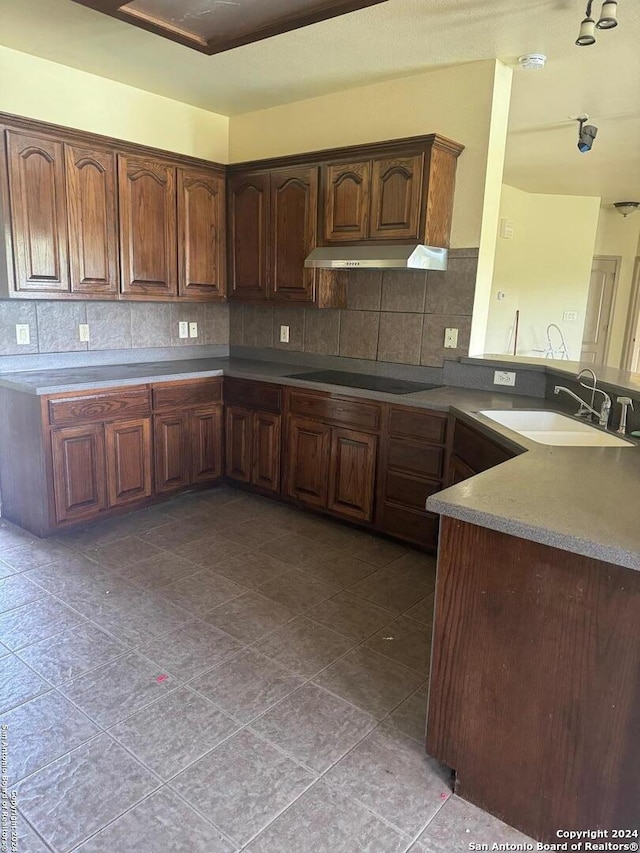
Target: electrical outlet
(183, 330)
(193, 330)
(83, 332)
(451, 338)
(504, 377)
(23, 334)
(284, 334)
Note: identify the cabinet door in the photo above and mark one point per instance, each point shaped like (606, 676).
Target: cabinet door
(352, 473)
(266, 451)
(79, 475)
(346, 193)
(206, 444)
(294, 222)
(238, 444)
(396, 189)
(38, 213)
(172, 440)
(201, 235)
(458, 471)
(248, 223)
(128, 461)
(308, 461)
(91, 207)
(148, 240)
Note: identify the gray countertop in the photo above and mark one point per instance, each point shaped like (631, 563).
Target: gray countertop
(578, 499)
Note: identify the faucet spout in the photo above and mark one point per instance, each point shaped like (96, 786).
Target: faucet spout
(585, 409)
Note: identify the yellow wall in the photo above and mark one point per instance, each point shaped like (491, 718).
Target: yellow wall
(619, 236)
(455, 102)
(543, 270)
(39, 89)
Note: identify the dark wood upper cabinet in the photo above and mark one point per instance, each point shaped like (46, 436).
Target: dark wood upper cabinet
(201, 235)
(38, 213)
(346, 189)
(294, 224)
(396, 188)
(148, 237)
(248, 224)
(92, 215)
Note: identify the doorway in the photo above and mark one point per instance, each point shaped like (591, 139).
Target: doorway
(597, 321)
(631, 354)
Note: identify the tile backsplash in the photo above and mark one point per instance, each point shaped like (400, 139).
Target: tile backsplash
(392, 316)
(53, 326)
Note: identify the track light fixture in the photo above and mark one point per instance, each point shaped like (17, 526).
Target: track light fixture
(607, 21)
(586, 134)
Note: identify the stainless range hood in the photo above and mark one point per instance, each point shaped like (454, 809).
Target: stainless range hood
(411, 257)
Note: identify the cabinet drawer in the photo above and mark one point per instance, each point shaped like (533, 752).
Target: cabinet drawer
(477, 451)
(410, 525)
(258, 396)
(175, 395)
(101, 406)
(409, 491)
(343, 412)
(415, 458)
(407, 423)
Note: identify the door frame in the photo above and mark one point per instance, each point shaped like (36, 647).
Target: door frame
(614, 298)
(633, 317)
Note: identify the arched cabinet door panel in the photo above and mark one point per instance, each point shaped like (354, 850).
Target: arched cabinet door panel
(396, 189)
(294, 218)
(201, 235)
(148, 237)
(38, 213)
(92, 216)
(347, 188)
(248, 224)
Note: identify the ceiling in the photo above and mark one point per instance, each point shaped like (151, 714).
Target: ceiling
(392, 39)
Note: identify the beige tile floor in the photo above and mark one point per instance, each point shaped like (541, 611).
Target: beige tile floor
(223, 673)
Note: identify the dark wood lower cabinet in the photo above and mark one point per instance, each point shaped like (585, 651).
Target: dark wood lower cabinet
(238, 444)
(128, 461)
(206, 444)
(534, 694)
(352, 473)
(171, 438)
(79, 472)
(265, 470)
(308, 461)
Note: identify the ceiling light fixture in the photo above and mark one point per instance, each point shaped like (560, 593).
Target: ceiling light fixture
(608, 15)
(607, 21)
(626, 207)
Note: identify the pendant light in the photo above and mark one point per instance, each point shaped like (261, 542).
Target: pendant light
(608, 16)
(587, 34)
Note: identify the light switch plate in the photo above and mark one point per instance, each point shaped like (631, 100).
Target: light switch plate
(284, 334)
(183, 330)
(83, 332)
(504, 377)
(570, 316)
(451, 338)
(193, 330)
(23, 334)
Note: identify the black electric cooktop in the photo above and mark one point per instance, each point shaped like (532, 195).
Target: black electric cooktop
(360, 380)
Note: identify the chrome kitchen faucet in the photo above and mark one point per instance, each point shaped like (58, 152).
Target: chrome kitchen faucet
(585, 408)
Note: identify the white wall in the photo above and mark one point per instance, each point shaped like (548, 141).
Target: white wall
(39, 89)
(543, 270)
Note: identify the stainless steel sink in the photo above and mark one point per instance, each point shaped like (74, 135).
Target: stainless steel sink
(555, 429)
